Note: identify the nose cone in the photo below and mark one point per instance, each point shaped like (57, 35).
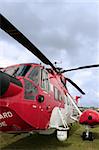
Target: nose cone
(89, 117)
(9, 86)
(4, 83)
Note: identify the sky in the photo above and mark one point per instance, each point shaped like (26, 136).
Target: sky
(66, 31)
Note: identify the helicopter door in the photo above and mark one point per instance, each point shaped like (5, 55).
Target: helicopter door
(43, 106)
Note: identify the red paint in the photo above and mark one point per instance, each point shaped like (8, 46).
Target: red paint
(77, 99)
(89, 117)
(12, 90)
(29, 114)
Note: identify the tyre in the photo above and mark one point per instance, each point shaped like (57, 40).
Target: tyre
(90, 136)
(84, 136)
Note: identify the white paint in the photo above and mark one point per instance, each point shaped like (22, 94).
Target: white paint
(61, 135)
(6, 115)
(34, 106)
(72, 101)
(51, 87)
(3, 124)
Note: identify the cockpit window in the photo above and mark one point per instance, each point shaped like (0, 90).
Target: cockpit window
(17, 70)
(22, 70)
(34, 75)
(30, 90)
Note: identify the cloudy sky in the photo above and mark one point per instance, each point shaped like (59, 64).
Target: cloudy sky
(66, 31)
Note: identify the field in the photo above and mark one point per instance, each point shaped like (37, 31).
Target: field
(43, 142)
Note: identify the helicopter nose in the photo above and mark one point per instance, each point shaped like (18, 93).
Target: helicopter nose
(4, 82)
(9, 85)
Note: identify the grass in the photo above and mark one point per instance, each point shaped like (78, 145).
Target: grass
(49, 142)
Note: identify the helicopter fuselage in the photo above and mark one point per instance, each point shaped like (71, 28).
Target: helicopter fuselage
(28, 106)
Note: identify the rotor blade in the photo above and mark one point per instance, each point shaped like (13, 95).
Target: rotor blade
(83, 67)
(18, 36)
(75, 85)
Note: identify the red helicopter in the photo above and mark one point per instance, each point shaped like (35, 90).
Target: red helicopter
(34, 98)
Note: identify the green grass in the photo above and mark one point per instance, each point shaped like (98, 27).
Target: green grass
(49, 142)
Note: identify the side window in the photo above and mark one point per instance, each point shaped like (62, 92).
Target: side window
(55, 93)
(34, 75)
(66, 100)
(30, 90)
(44, 80)
(68, 103)
(59, 95)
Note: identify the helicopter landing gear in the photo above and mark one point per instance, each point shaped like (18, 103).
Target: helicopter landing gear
(87, 135)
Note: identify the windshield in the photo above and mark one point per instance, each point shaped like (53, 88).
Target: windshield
(17, 70)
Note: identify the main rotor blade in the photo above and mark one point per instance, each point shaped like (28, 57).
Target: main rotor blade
(18, 36)
(83, 67)
(75, 85)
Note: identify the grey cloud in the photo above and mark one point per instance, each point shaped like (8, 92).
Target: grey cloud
(73, 27)
(67, 31)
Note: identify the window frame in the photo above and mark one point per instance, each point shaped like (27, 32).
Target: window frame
(46, 80)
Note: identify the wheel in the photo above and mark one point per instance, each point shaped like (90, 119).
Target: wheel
(90, 136)
(84, 136)
(67, 133)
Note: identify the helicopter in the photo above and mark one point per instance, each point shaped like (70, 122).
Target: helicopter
(35, 99)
